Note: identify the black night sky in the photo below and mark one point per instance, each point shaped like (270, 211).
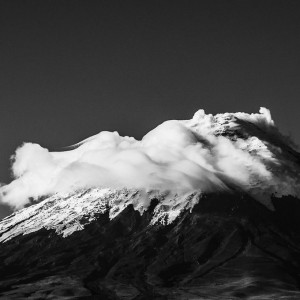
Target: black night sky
(70, 69)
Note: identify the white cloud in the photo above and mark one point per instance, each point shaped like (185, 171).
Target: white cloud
(199, 154)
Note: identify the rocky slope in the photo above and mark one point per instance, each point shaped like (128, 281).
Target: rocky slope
(228, 247)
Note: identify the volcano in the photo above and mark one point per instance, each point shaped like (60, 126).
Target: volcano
(206, 208)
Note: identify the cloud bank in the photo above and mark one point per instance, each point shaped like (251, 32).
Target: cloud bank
(207, 153)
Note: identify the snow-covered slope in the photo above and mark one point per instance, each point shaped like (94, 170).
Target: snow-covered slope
(67, 213)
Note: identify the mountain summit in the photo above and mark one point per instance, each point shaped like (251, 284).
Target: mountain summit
(206, 208)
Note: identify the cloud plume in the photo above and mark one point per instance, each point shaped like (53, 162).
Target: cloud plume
(207, 153)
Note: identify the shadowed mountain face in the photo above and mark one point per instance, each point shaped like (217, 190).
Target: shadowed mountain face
(229, 247)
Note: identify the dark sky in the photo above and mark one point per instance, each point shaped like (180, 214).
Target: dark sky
(69, 69)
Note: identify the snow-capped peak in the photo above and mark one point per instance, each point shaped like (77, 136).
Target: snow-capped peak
(208, 153)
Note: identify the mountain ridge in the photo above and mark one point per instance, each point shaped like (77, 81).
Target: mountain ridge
(216, 216)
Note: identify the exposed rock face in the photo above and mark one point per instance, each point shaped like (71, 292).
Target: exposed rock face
(229, 246)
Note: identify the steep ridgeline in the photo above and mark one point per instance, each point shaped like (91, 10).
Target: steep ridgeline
(215, 214)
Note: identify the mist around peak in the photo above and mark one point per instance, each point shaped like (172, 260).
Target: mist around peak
(207, 153)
